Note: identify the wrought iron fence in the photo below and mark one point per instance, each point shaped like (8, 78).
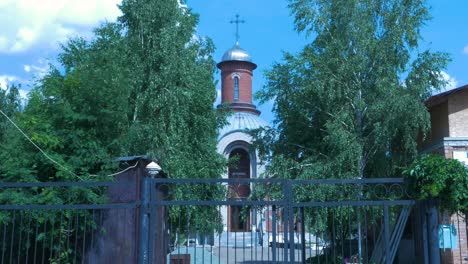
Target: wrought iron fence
(211, 221)
(277, 220)
(64, 232)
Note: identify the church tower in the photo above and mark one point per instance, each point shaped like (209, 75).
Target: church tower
(234, 140)
(236, 80)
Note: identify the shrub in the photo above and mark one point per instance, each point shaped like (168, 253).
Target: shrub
(433, 176)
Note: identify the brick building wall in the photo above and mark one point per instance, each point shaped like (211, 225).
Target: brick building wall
(449, 134)
(458, 255)
(439, 123)
(458, 114)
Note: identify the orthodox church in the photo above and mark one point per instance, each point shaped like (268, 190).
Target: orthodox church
(234, 141)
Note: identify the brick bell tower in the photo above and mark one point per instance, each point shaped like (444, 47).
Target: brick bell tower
(234, 139)
(236, 77)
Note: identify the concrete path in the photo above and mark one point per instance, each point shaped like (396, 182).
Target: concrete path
(231, 255)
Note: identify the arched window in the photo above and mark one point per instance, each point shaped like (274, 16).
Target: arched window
(236, 88)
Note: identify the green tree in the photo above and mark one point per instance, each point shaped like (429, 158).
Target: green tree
(171, 104)
(10, 104)
(351, 103)
(76, 115)
(141, 86)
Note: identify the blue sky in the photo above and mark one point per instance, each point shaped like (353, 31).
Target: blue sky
(31, 30)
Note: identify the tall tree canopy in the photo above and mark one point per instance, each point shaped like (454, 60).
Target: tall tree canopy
(142, 86)
(351, 103)
(10, 104)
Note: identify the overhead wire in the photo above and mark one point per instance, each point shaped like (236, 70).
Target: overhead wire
(117, 173)
(54, 161)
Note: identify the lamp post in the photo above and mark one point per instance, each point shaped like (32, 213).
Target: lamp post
(153, 169)
(147, 214)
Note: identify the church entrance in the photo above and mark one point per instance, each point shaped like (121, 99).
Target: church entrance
(239, 216)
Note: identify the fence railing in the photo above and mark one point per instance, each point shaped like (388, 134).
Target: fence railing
(205, 220)
(39, 225)
(319, 221)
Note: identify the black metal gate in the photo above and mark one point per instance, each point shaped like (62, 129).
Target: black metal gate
(212, 221)
(287, 221)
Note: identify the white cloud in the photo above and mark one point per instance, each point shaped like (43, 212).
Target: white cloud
(465, 50)
(5, 80)
(28, 23)
(25, 37)
(23, 94)
(451, 81)
(39, 69)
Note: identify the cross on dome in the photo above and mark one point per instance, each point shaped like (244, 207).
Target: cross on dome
(236, 53)
(237, 21)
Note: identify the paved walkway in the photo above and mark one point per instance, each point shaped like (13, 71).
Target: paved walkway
(198, 255)
(231, 255)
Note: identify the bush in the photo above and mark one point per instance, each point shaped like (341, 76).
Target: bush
(433, 176)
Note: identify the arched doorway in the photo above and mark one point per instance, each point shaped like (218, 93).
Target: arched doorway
(239, 216)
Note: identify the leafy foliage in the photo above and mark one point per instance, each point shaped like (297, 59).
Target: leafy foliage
(10, 104)
(350, 104)
(433, 176)
(141, 86)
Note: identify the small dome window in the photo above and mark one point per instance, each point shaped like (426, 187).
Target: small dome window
(236, 88)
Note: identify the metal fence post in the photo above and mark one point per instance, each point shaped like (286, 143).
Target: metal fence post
(285, 219)
(423, 219)
(146, 243)
(387, 234)
(273, 242)
(359, 230)
(289, 200)
(143, 236)
(152, 220)
(303, 247)
(433, 232)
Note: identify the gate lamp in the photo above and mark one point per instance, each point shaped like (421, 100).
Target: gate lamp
(153, 169)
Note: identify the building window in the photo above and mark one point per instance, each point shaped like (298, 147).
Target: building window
(236, 88)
